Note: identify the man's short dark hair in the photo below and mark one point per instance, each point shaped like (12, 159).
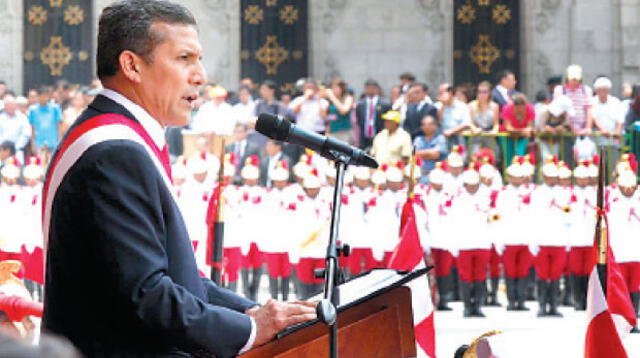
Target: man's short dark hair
(433, 119)
(371, 82)
(43, 89)
(422, 85)
(270, 84)
(126, 25)
(244, 88)
(503, 74)
(407, 76)
(8, 145)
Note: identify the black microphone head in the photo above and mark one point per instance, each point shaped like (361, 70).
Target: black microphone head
(272, 126)
(369, 162)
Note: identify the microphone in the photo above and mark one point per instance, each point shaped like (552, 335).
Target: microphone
(280, 129)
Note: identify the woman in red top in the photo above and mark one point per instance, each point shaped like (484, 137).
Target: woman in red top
(518, 119)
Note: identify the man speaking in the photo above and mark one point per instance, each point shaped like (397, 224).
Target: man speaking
(121, 279)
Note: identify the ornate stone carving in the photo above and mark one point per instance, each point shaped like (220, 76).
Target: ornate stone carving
(215, 4)
(333, 11)
(544, 16)
(331, 66)
(435, 74)
(543, 68)
(432, 14)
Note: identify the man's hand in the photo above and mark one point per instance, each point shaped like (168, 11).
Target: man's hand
(275, 316)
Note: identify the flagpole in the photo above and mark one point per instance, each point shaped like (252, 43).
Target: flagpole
(411, 174)
(218, 226)
(601, 225)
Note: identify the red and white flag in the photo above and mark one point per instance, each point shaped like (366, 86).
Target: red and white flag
(408, 256)
(611, 316)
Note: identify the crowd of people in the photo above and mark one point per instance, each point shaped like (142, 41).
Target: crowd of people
(535, 237)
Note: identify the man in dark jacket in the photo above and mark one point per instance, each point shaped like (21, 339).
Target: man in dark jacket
(419, 108)
(110, 214)
(369, 111)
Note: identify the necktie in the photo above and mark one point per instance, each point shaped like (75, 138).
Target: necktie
(370, 119)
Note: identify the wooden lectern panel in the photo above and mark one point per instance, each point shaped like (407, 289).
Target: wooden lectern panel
(381, 326)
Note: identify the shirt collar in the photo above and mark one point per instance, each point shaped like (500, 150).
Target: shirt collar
(150, 124)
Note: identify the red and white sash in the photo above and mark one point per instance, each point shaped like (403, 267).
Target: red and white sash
(99, 129)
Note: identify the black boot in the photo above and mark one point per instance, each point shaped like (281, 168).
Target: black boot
(554, 298)
(455, 285)
(492, 297)
(511, 294)
(584, 288)
(521, 293)
(579, 288)
(255, 282)
(543, 290)
(567, 297)
(479, 295)
(245, 282)
(531, 285)
(635, 301)
(467, 291)
(284, 287)
(443, 292)
(273, 287)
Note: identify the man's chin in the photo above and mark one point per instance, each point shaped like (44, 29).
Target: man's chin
(179, 120)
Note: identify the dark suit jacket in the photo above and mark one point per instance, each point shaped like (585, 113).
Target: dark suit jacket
(361, 113)
(264, 170)
(413, 117)
(249, 150)
(121, 275)
(499, 98)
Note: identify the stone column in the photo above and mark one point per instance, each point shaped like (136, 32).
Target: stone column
(11, 56)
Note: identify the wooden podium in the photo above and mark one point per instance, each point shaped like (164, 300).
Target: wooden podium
(376, 320)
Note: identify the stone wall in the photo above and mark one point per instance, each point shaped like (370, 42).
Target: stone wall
(358, 39)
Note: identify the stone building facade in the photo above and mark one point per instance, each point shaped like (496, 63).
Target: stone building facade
(360, 39)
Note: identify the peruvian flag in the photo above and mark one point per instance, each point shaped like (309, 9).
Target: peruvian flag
(408, 256)
(610, 316)
(212, 215)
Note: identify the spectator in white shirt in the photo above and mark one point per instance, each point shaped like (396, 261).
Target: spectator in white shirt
(607, 116)
(244, 110)
(310, 108)
(453, 115)
(216, 116)
(14, 126)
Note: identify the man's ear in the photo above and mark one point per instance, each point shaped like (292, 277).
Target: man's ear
(130, 66)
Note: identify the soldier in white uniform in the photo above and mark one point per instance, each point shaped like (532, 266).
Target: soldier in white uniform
(251, 219)
(467, 223)
(361, 258)
(392, 201)
(438, 204)
(513, 206)
(624, 224)
(584, 222)
(10, 193)
(490, 186)
(564, 197)
(195, 195)
(233, 230)
(277, 241)
(552, 214)
(454, 168)
(31, 232)
(313, 219)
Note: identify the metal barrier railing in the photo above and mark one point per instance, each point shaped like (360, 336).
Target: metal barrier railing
(505, 146)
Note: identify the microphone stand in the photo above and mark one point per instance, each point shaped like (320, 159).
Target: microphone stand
(326, 309)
